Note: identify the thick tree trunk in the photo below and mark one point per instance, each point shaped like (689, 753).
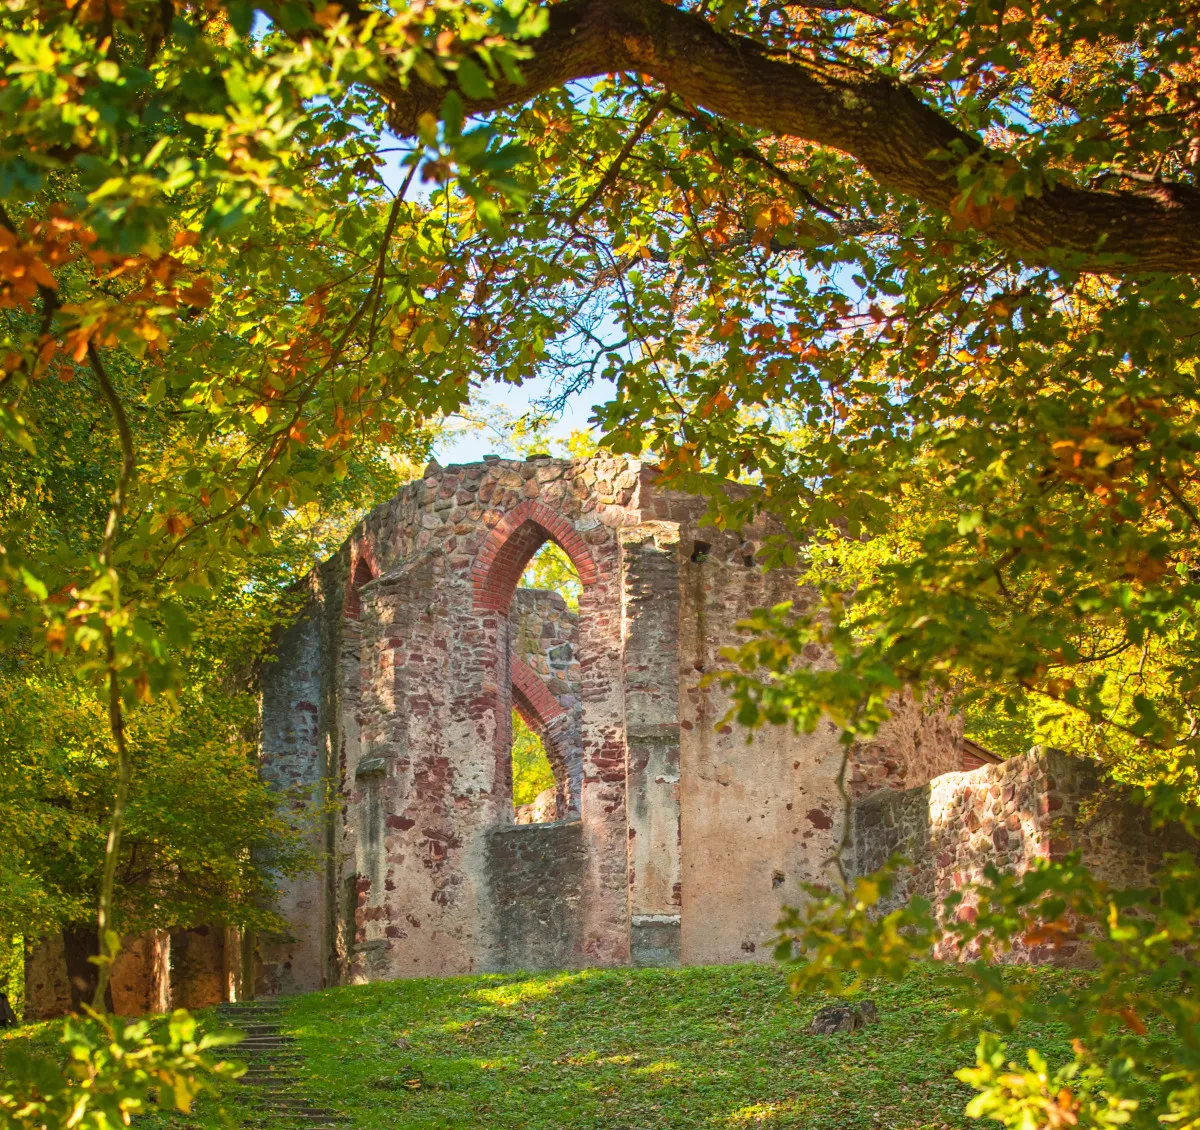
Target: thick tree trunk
(81, 942)
(899, 140)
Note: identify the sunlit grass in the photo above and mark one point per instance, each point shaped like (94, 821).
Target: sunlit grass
(620, 1049)
(623, 1049)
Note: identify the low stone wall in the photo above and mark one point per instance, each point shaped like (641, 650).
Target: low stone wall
(1042, 805)
(537, 873)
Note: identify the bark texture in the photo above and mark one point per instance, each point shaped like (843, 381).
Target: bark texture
(880, 123)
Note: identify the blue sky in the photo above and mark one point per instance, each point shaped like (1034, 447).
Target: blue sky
(468, 445)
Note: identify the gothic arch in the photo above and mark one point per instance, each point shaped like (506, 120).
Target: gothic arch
(362, 572)
(510, 545)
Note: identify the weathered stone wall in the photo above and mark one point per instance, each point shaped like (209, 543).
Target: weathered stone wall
(47, 990)
(397, 687)
(1038, 806)
(538, 873)
(154, 972)
(920, 741)
(420, 732)
(760, 812)
(650, 630)
(201, 967)
(293, 690)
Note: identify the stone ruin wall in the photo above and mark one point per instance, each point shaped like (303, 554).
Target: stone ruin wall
(1042, 805)
(679, 838)
(398, 685)
(154, 972)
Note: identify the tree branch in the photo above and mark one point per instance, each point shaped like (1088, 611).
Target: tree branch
(610, 174)
(906, 145)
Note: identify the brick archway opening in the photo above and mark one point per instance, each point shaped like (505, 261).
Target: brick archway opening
(496, 574)
(510, 546)
(359, 576)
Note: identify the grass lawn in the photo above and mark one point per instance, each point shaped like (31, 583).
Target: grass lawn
(620, 1049)
(626, 1050)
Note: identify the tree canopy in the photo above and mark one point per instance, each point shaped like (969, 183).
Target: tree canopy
(923, 270)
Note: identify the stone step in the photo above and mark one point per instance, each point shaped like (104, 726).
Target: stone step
(313, 1115)
(286, 1103)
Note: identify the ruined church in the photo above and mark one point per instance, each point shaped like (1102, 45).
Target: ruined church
(671, 835)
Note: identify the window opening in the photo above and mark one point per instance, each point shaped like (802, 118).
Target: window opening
(547, 687)
(551, 568)
(362, 574)
(534, 787)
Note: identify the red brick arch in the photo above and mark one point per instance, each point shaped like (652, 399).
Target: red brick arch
(532, 697)
(515, 539)
(363, 572)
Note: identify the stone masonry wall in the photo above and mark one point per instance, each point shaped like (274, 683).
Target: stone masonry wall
(422, 742)
(1038, 806)
(538, 872)
(395, 690)
(154, 972)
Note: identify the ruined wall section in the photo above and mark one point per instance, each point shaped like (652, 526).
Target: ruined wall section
(650, 605)
(538, 873)
(154, 972)
(1041, 805)
(202, 966)
(424, 637)
(420, 796)
(920, 741)
(398, 685)
(294, 760)
(758, 813)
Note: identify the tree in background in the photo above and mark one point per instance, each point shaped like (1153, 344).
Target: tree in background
(532, 772)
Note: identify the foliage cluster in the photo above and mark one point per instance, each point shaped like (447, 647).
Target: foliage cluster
(531, 770)
(111, 1071)
(1133, 1025)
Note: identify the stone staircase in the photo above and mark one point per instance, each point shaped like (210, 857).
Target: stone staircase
(274, 1076)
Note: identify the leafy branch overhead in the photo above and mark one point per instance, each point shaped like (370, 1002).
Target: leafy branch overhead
(886, 117)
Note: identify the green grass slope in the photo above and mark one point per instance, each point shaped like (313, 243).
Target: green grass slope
(625, 1050)
(617, 1049)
